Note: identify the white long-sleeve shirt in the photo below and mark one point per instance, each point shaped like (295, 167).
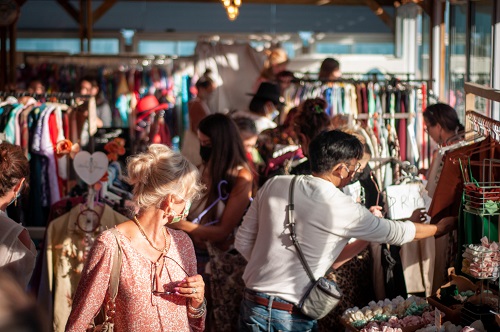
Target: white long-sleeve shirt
(325, 220)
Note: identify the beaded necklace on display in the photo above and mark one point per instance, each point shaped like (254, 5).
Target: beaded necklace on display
(151, 243)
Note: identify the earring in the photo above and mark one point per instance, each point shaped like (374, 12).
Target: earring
(15, 202)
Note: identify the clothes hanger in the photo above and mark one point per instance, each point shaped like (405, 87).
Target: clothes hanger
(222, 197)
(9, 101)
(464, 154)
(464, 139)
(89, 220)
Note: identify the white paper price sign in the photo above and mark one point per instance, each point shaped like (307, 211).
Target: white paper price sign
(403, 199)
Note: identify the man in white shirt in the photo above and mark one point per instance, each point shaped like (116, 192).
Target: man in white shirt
(325, 220)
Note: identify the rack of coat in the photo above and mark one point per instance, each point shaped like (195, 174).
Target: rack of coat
(38, 126)
(390, 112)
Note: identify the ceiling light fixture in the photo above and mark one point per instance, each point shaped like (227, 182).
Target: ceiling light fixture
(322, 2)
(232, 8)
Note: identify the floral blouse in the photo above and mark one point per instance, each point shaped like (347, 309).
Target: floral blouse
(137, 308)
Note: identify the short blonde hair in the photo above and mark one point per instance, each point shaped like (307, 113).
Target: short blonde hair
(159, 172)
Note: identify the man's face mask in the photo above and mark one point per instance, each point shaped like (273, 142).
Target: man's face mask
(272, 112)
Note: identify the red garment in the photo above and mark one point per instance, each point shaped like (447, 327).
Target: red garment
(23, 124)
(65, 120)
(424, 96)
(446, 198)
(54, 133)
(402, 130)
(359, 99)
(160, 133)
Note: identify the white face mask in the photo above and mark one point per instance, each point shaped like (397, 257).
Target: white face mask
(274, 114)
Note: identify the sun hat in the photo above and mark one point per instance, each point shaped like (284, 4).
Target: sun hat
(147, 105)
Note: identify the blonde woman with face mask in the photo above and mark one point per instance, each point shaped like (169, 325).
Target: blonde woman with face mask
(159, 288)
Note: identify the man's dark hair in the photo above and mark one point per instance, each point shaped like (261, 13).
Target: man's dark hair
(245, 124)
(330, 148)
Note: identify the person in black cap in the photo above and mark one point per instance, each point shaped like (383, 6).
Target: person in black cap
(263, 106)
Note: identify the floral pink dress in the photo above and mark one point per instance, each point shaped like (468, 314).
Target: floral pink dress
(137, 308)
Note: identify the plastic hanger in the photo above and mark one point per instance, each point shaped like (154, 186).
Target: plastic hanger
(222, 197)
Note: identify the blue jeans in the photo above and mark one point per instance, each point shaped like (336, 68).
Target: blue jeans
(255, 318)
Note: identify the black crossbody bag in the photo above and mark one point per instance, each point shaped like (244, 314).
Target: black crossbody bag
(324, 294)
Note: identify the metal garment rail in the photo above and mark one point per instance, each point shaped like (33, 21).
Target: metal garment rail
(57, 95)
(475, 120)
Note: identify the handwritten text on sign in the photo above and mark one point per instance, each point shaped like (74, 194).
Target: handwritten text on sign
(403, 199)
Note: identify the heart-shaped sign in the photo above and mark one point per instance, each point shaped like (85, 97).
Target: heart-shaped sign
(90, 167)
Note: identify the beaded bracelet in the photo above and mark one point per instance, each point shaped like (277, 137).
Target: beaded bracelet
(197, 312)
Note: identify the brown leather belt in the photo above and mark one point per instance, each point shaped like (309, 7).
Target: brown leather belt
(290, 308)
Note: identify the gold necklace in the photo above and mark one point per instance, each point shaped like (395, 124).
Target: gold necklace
(151, 243)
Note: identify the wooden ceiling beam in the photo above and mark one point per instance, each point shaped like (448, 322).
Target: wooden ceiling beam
(289, 2)
(375, 6)
(103, 8)
(70, 10)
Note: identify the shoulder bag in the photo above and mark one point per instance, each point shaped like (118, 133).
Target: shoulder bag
(323, 295)
(108, 312)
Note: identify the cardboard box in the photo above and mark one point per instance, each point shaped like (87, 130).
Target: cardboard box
(452, 313)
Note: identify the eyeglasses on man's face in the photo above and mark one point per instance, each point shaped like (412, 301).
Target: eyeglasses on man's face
(357, 167)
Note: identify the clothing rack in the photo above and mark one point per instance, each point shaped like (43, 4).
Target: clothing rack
(406, 77)
(485, 124)
(353, 80)
(473, 90)
(57, 95)
(366, 116)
